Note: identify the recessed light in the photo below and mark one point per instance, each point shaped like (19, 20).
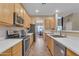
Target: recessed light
(36, 10)
(57, 11)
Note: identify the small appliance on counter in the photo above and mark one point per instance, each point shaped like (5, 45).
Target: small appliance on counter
(12, 34)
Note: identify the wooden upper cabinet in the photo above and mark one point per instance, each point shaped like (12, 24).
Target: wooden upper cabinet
(19, 9)
(49, 23)
(7, 10)
(1, 17)
(27, 20)
(6, 13)
(52, 23)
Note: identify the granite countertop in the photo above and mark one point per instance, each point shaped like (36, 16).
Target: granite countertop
(70, 42)
(8, 43)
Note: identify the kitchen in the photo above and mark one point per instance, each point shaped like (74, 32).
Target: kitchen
(40, 29)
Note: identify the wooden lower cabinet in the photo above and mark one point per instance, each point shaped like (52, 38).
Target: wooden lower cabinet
(70, 53)
(6, 53)
(16, 50)
(50, 44)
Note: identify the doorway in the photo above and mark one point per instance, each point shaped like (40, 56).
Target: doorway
(39, 27)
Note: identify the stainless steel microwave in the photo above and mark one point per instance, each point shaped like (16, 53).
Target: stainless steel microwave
(17, 20)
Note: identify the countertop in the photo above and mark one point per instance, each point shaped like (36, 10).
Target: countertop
(8, 43)
(73, 31)
(29, 33)
(70, 42)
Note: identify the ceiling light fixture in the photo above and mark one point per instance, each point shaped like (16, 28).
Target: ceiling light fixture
(57, 11)
(36, 10)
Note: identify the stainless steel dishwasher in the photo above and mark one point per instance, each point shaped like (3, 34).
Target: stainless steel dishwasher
(60, 50)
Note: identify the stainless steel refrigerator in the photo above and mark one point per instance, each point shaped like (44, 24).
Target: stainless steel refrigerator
(32, 30)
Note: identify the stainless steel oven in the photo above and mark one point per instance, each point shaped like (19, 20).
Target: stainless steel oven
(25, 45)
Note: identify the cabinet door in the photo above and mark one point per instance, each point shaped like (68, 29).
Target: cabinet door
(47, 22)
(25, 19)
(17, 8)
(6, 13)
(70, 53)
(28, 21)
(21, 11)
(8, 9)
(1, 12)
(17, 49)
(50, 44)
(52, 23)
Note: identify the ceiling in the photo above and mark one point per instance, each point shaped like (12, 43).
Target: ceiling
(49, 9)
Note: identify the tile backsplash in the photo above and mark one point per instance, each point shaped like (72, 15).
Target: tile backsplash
(3, 30)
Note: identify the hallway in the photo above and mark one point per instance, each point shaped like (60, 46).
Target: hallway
(39, 48)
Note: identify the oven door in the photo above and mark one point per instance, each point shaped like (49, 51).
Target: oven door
(26, 45)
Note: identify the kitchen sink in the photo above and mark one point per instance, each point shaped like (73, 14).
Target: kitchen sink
(58, 36)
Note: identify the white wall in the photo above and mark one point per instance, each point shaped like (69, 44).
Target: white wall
(71, 22)
(75, 20)
(2, 32)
